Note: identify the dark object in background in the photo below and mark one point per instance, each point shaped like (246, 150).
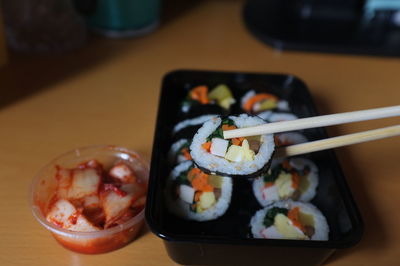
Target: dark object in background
(226, 240)
(340, 26)
(43, 26)
(121, 18)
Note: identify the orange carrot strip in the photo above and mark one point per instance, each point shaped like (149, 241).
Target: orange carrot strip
(186, 154)
(257, 98)
(237, 141)
(200, 93)
(200, 182)
(268, 184)
(193, 173)
(207, 146)
(208, 188)
(293, 215)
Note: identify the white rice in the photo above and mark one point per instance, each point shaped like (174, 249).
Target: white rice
(216, 164)
(265, 115)
(283, 105)
(265, 198)
(320, 224)
(192, 122)
(278, 116)
(182, 209)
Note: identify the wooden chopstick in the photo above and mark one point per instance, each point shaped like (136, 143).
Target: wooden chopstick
(316, 121)
(340, 141)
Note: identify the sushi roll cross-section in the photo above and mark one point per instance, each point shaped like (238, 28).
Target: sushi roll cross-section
(290, 220)
(239, 156)
(294, 178)
(195, 195)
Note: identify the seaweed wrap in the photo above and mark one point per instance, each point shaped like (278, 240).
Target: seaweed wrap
(244, 157)
(290, 220)
(194, 195)
(294, 178)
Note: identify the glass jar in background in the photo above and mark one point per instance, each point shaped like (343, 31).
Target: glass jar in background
(121, 18)
(42, 26)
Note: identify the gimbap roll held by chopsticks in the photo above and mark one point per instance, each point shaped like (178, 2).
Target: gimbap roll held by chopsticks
(194, 195)
(242, 157)
(290, 220)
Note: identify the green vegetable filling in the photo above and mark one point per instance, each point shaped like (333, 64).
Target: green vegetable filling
(182, 179)
(271, 213)
(273, 174)
(218, 133)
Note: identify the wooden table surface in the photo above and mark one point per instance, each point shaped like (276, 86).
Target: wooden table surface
(107, 93)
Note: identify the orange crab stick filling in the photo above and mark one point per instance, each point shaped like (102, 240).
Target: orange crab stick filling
(235, 141)
(248, 106)
(199, 180)
(186, 154)
(200, 93)
(293, 215)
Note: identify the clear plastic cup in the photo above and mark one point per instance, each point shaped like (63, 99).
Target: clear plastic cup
(44, 187)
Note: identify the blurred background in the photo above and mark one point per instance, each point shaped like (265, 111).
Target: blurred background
(36, 35)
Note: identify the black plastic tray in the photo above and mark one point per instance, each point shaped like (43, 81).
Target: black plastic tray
(227, 240)
(279, 24)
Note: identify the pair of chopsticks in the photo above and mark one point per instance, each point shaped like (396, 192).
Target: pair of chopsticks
(321, 121)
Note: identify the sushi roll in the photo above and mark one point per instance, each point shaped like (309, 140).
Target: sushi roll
(200, 98)
(179, 151)
(289, 138)
(194, 195)
(255, 103)
(290, 220)
(245, 157)
(294, 178)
